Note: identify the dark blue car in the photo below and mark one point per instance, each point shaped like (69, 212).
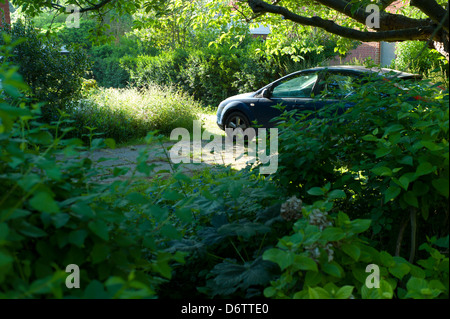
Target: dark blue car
(296, 91)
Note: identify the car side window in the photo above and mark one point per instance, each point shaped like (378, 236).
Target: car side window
(338, 86)
(300, 86)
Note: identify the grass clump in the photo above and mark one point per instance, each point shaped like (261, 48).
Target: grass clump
(130, 113)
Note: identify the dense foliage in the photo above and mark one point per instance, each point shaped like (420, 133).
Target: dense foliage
(217, 72)
(130, 113)
(55, 211)
(53, 77)
(410, 57)
(350, 180)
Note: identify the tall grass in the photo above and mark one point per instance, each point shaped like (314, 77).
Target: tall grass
(130, 113)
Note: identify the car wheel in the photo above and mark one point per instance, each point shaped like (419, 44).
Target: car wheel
(237, 120)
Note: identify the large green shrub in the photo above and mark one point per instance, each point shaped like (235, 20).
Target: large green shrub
(388, 151)
(53, 78)
(214, 73)
(327, 257)
(55, 212)
(429, 63)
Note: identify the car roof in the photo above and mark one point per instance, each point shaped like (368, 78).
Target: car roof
(389, 73)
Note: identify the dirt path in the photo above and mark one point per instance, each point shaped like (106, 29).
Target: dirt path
(159, 155)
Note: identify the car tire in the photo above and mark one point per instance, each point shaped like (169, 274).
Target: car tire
(238, 120)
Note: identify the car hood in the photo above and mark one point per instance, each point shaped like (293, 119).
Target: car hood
(241, 96)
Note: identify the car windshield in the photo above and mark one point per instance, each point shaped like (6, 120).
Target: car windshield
(300, 86)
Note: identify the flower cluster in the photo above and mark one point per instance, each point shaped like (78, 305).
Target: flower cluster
(291, 209)
(320, 219)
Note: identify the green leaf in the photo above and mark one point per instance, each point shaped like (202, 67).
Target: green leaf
(403, 181)
(333, 269)
(425, 168)
(318, 293)
(441, 185)
(411, 199)
(95, 290)
(333, 234)
(43, 202)
(370, 138)
(337, 194)
(359, 225)
(431, 146)
(399, 270)
(5, 259)
(111, 143)
(59, 220)
(31, 231)
(382, 171)
(4, 230)
(316, 191)
(386, 259)
(305, 263)
(312, 278)
(344, 292)
(99, 228)
(407, 160)
(282, 258)
(382, 152)
(41, 137)
(172, 195)
(184, 214)
(77, 237)
(391, 193)
(170, 232)
(352, 250)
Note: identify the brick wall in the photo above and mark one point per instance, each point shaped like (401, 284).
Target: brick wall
(362, 52)
(4, 12)
(369, 49)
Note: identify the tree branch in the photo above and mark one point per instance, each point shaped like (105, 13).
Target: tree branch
(93, 7)
(421, 32)
(386, 18)
(432, 9)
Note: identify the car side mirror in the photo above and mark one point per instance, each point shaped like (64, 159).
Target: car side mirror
(265, 93)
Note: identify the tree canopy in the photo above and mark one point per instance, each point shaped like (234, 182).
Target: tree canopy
(424, 20)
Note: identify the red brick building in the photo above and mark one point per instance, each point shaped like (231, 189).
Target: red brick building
(380, 52)
(4, 12)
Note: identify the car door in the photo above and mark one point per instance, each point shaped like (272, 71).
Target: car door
(292, 93)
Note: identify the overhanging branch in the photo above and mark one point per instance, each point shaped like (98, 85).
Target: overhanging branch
(432, 9)
(415, 33)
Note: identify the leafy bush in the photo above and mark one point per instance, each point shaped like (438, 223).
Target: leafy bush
(430, 63)
(55, 211)
(53, 78)
(214, 73)
(125, 114)
(388, 151)
(327, 258)
(235, 218)
(163, 69)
